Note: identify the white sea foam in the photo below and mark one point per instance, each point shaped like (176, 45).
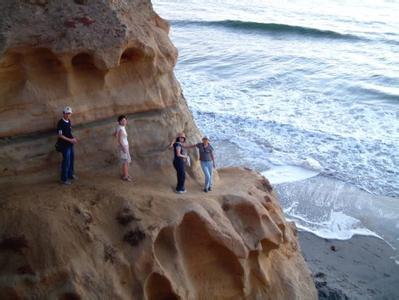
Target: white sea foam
(333, 209)
(280, 174)
(324, 106)
(340, 226)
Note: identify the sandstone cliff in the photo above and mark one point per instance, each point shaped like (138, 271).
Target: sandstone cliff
(103, 58)
(102, 238)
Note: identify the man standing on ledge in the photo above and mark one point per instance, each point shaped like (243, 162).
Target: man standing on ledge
(66, 142)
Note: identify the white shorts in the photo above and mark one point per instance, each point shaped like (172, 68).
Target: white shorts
(124, 156)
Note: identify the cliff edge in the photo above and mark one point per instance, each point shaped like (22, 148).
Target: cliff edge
(103, 238)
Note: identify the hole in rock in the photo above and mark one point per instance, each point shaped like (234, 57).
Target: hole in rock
(70, 296)
(158, 287)
(81, 2)
(14, 244)
(130, 54)
(83, 61)
(208, 262)
(43, 61)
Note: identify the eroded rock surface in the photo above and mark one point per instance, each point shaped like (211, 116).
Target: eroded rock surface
(102, 238)
(107, 240)
(103, 58)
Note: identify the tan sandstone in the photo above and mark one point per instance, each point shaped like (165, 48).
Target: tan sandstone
(106, 239)
(102, 238)
(103, 58)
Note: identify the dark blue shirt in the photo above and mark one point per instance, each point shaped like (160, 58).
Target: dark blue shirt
(66, 129)
(175, 145)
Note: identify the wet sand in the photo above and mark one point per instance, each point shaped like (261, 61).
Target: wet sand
(359, 268)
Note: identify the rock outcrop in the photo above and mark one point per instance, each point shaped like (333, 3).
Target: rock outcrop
(103, 58)
(102, 238)
(110, 240)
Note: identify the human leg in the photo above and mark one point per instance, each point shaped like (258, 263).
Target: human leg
(210, 169)
(71, 163)
(65, 164)
(205, 170)
(181, 175)
(125, 169)
(177, 175)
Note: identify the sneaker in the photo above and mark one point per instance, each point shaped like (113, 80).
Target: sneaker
(74, 177)
(209, 189)
(206, 190)
(66, 182)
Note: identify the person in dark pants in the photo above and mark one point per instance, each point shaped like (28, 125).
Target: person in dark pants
(66, 142)
(179, 162)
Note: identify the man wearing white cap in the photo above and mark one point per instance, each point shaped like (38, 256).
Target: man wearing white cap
(66, 142)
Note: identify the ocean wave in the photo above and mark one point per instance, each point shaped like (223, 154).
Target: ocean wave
(334, 209)
(368, 163)
(270, 28)
(379, 91)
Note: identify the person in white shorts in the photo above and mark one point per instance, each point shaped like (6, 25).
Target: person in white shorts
(123, 145)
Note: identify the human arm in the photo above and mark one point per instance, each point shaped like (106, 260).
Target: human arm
(63, 137)
(170, 146)
(179, 152)
(187, 145)
(213, 160)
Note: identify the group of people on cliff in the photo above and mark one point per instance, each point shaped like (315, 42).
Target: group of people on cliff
(66, 141)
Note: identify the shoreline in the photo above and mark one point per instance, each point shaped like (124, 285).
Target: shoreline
(358, 268)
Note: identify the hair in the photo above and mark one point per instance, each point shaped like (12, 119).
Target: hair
(178, 139)
(121, 117)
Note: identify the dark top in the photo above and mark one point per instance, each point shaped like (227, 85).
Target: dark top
(175, 145)
(205, 152)
(66, 128)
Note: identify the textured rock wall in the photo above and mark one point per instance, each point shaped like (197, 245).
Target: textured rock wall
(109, 240)
(103, 58)
(102, 238)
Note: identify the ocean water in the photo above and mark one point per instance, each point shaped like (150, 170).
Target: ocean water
(306, 92)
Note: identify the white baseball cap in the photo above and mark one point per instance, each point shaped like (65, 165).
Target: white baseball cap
(67, 110)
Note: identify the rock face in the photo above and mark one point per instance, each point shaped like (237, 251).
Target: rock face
(103, 58)
(109, 240)
(102, 238)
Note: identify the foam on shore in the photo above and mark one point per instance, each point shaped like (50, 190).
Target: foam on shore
(283, 174)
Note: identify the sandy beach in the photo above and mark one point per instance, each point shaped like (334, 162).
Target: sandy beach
(359, 268)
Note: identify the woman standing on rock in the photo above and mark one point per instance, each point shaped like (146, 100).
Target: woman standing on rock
(179, 161)
(123, 144)
(207, 160)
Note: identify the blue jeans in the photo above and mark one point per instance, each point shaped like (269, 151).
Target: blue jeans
(67, 163)
(207, 167)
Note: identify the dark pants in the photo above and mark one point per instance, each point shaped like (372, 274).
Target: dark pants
(181, 174)
(67, 163)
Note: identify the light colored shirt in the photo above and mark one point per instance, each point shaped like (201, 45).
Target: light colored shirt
(123, 135)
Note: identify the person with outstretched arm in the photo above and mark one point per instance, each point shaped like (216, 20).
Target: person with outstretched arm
(207, 160)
